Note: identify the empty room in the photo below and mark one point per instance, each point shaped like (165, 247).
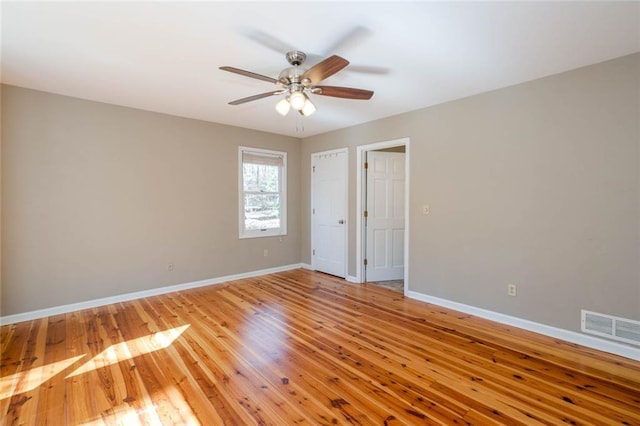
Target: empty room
(384, 213)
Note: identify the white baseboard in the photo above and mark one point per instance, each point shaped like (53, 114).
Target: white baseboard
(558, 333)
(352, 279)
(56, 310)
(307, 266)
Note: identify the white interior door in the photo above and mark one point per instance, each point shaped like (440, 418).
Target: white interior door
(385, 220)
(329, 212)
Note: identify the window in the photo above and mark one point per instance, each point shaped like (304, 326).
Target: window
(263, 195)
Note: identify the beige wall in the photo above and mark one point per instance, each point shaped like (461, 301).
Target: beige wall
(1, 201)
(535, 184)
(98, 199)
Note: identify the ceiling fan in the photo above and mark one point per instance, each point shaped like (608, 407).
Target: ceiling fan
(297, 83)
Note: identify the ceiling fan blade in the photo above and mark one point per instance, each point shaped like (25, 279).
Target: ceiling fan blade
(366, 69)
(349, 39)
(269, 41)
(325, 69)
(255, 97)
(343, 92)
(249, 74)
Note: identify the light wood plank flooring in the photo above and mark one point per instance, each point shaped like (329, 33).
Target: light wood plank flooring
(301, 348)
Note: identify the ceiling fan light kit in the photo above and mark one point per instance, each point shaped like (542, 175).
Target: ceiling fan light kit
(296, 83)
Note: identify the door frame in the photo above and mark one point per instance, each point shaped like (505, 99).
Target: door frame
(346, 206)
(361, 183)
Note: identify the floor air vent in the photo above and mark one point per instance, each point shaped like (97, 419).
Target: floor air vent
(621, 329)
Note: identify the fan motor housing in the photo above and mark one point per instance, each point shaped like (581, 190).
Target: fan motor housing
(292, 75)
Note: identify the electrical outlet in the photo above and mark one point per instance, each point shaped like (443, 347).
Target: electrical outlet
(425, 209)
(265, 252)
(170, 267)
(512, 290)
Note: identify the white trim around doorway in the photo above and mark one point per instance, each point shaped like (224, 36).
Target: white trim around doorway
(360, 182)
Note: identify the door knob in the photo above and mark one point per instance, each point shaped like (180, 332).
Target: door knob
(341, 221)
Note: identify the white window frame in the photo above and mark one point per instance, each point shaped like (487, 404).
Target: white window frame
(282, 230)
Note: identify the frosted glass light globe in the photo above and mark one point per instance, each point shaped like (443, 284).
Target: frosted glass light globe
(308, 108)
(283, 107)
(297, 100)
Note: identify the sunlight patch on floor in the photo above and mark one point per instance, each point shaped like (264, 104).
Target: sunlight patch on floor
(130, 349)
(25, 381)
(176, 412)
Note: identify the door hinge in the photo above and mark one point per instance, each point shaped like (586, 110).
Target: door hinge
(314, 169)
(366, 213)
(365, 262)
(314, 252)
(314, 211)
(366, 165)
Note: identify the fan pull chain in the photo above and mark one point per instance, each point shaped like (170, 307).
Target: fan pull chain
(299, 124)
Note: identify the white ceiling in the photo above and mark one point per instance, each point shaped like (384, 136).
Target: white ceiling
(164, 56)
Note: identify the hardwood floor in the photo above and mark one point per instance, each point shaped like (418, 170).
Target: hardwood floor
(301, 347)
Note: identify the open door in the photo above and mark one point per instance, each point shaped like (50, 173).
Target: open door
(385, 216)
